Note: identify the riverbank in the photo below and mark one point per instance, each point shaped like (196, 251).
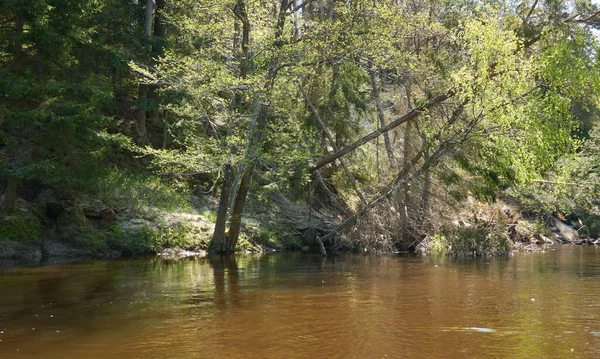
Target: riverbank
(132, 218)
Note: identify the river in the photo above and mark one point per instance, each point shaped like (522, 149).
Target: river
(531, 305)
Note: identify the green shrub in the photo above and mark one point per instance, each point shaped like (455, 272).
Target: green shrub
(439, 245)
(467, 241)
(141, 191)
(592, 223)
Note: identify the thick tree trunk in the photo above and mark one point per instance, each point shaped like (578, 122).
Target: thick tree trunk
(235, 221)
(219, 240)
(9, 198)
(386, 137)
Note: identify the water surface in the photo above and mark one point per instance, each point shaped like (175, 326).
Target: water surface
(540, 305)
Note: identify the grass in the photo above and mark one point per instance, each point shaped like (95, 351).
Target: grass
(210, 215)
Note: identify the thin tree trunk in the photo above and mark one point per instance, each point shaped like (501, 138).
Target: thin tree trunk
(142, 105)
(332, 142)
(241, 48)
(156, 51)
(148, 18)
(426, 189)
(9, 198)
(386, 137)
(18, 44)
(405, 199)
(140, 115)
(219, 240)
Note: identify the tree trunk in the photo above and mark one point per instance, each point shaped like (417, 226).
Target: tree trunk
(148, 18)
(156, 51)
(332, 142)
(241, 48)
(142, 106)
(404, 200)
(235, 221)
(140, 115)
(256, 137)
(9, 198)
(219, 239)
(18, 43)
(426, 190)
(386, 137)
(390, 126)
(242, 54)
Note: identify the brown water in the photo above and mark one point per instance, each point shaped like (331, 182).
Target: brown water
(543, 305)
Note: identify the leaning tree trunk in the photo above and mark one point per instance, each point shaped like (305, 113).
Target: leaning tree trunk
(9, 198)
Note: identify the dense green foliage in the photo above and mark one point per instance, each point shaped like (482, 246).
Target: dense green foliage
(148, 105)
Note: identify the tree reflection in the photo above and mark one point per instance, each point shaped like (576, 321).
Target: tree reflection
(226, 280)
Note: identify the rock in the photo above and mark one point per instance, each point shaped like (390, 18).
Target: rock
(10, 249)
(54, 249)
(565, 231)
(174, 253)
(96, 210)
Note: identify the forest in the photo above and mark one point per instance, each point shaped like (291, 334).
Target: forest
(132, 127)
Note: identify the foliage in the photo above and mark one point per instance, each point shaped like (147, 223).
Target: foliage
(467, 241)
(105, 99)
(142, 192)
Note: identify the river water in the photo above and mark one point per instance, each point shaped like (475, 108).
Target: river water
(537, 305)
